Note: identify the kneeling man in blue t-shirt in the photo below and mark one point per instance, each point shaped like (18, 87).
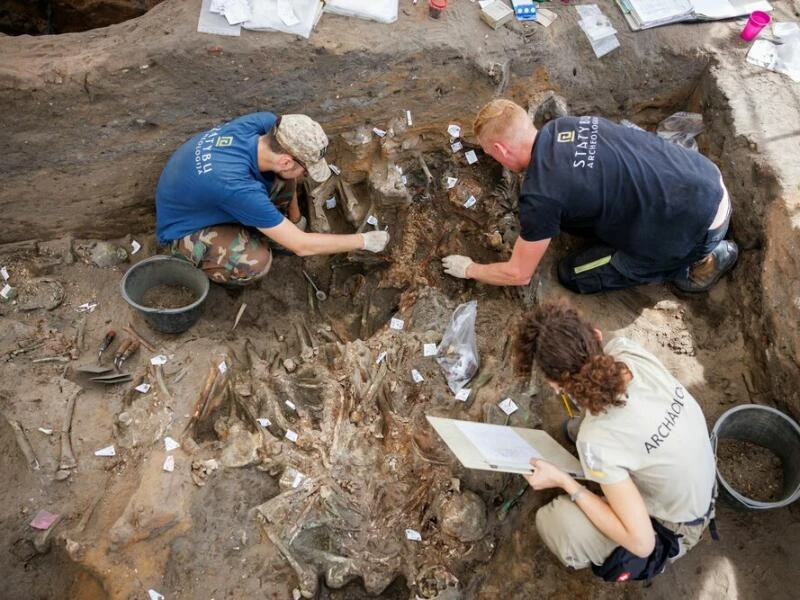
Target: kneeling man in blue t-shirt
(223, 194)
(654, 211)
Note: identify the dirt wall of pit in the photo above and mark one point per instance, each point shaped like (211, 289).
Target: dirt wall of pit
(90, 119)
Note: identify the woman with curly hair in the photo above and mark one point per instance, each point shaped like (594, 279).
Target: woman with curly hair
(643, 438)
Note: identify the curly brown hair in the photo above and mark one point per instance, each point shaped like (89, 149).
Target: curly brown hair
(568, 352)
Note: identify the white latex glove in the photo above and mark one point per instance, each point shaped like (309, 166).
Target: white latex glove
(375, 241)
(301, 223)
(456, 265)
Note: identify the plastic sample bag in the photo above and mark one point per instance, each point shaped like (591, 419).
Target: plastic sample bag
(458, 350)
(681, 128)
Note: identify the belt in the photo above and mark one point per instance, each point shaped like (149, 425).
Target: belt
(702, 520)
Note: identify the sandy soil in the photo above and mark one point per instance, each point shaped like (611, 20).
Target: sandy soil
(752, 470)
(216, 546)
(205, 542)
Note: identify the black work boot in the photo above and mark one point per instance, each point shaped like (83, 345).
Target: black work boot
(705, 273)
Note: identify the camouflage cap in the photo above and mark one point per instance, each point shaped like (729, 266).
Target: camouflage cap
(304, 139)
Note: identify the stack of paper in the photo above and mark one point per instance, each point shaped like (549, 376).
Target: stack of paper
(652, 13)
(215, 21)
(598, 29)
(291, 16)
(727, 9)
(643, 14)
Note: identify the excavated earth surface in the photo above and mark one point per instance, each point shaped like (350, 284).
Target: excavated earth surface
(250, 511)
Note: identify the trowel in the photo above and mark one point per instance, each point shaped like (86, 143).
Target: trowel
(112, 378)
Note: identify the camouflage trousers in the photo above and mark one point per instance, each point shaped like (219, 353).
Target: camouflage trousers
(227, 254)
(232, 255)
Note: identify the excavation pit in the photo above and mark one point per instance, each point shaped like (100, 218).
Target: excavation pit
(365, 467)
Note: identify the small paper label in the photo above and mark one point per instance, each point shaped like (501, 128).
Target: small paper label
(222, 367)
(396, 323)
(336, 170)
(508, 406)
(471, 201)
(454, 130)
(456, 147)
(264, 422)
(143, 388)
(43, 520)
(408, 118)
(135, 246)
(291, 435)
(158, 360)
(4, 273)
(380, 358)
(46, 430)
(169, 464)
(6, 291)
(417, 376)
(107, 451)
(290, 404)
(298, 479)
(463, 394)
(170, 444)
(429, 350)
(154, 595)
(330, 202)
(403, 179)
(372, 220)
(378, 132)
(451, 182)
(87, 307)
(413, 535)
(471, 157)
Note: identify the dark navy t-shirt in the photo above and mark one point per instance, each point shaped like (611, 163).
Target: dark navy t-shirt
(630, 189)
(214, 179)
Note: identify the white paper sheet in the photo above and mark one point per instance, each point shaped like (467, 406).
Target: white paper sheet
(382, 11)
(286, 13)
(504, 448)
(236, 11)
(653, 12)
(209, 22)
(725, 9)
(267, 18)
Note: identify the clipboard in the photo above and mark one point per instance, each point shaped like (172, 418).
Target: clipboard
(500, 448)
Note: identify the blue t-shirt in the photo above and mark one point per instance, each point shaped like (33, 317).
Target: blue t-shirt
(214, 179)
(630, 189)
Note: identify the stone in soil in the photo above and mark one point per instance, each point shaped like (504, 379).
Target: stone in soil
(752, 470)
(168, 296)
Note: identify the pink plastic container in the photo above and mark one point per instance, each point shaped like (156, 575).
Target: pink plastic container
(757, 21)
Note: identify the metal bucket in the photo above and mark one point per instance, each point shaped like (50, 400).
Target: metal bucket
(161, 270)
(771, 429)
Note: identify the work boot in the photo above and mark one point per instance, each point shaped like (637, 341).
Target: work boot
(706, 272)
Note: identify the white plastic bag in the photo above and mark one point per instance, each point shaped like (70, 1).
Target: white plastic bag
(681, 129)
(382, 11)
(458, 350)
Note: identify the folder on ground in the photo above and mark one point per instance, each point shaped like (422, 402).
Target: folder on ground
(644, 14)
(500, 448)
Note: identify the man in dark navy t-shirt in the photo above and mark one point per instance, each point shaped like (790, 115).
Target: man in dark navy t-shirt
(654, 211)
(220, 196)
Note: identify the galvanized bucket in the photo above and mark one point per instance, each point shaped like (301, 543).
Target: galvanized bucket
(771, 429)
(170, 270)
